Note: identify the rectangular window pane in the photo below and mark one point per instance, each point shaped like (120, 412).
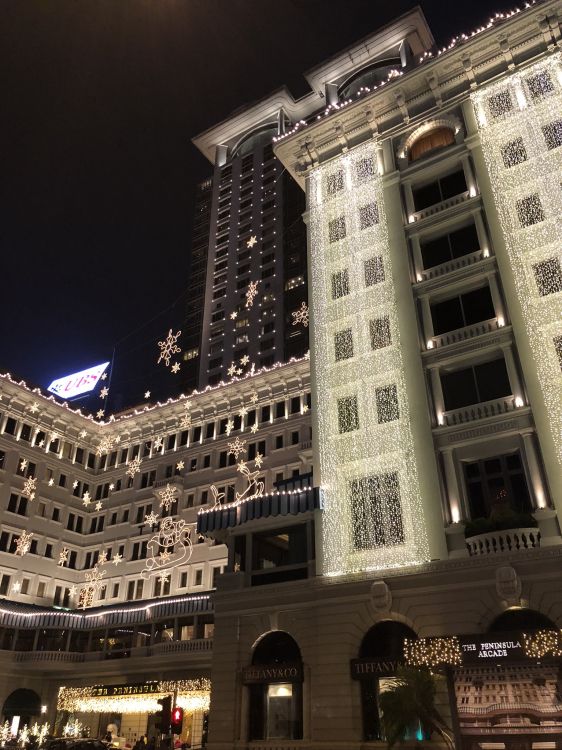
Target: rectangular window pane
(337, 229)
(340, 284)
(374, 271)
(548, 276)
(368, 215)
(387, 403)
(379, 330)
(343, 344)
(348, 416)
(529, 210)
(514, 153)
(376, 511)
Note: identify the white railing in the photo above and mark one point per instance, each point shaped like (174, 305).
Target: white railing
(173, 647)
(467, 332)
(479, 411)
(555, 708)
(453, 265)
(442, 206)
(51, 656)
(509, 540)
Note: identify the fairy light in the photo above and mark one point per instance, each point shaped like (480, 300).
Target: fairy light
(542, 643)
(520, 125)
(372, 513)
(432, 652)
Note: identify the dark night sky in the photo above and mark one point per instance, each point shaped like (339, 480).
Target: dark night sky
(100, 99)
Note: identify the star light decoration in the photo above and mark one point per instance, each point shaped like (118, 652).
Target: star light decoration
(229, 426)
(104, 391)
(158, 444)
(251, 293)
(23, 464)
(147, 394)
(301, 315)
(86, 499)
(168, 347)
(134, 467)
(82, 434)
(167, 496)
(34, 408)
(29, 488)
(63, 557)
(99, 414)
(233, 315)
(51, 482)
(180, 466)
(175, 368)
(366, 448)
(520, 124)
(252, 241)
(151, 519)
(23, 543)
(169, 547)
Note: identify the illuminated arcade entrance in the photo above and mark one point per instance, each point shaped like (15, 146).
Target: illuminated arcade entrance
(129, 712)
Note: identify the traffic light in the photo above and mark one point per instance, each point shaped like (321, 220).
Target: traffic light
(164, 716)
(177, 720)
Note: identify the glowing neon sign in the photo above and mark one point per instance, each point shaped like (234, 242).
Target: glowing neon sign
(78, 383)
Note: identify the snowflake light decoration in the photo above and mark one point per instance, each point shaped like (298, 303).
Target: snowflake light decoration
(236, 447)
(30, 488)
(251, 293)
(134, 467)
(5, 733)
(34, 408)
(169, 547)
(151, 519)
(301, 315)
(185, 421)
(23, 736)
(106, 444)
(63, 556)
(104, 392)
(168, 347)
(23, 543)
(158, 444)
(23, 464)
(252, 241)
(167, 496)
(229, 427)
(93, 586)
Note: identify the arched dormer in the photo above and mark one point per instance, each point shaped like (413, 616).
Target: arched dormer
(367, 77)
(261, 136)
(428, 137)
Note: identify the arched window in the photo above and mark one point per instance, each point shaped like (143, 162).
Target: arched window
(440, 137)
(368, 77)
(383, 646)
(24, 703)
(260, 137)
(521, 619)
(276, 689)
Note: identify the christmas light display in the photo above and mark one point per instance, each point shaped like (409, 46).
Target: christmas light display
(134, 467)
(543, 643)
(5, 733)
(168, 347)
(251, 293)
(30, 488)
(432, 652)
(167, 496)
(373, 517)
(301, 315)
(169, 547)
(89, 592)
(520, 123)
(73, 728)
(23, 543)
(63, 556)
(23, 736)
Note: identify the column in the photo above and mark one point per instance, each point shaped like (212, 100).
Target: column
(512, 374)
(437, 391)
(453, 493)
(481, 232)
(409, 200)
(417, 256)
(427, 321)
(469, 175)
(535, 476)
(496, 299)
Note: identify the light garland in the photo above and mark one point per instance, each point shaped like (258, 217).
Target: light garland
(372, 512)
(192, 695)
(432, 652)
(520, 122)
(169, 547)
(542, 643)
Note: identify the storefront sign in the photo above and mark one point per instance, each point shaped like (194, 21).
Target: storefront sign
(506, 647)
(263, 673)
(143, 688)
(362, 669)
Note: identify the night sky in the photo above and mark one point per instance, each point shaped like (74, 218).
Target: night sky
(100, 100)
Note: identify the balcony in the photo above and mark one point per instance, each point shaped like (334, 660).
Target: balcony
(462, 334)
(465, 261)
(483, 410)
(436, 208)
(511, 540)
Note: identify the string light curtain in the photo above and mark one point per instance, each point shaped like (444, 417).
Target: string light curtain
(520, 124)
(372, 513)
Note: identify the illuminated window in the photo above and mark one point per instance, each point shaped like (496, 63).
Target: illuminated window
(530, 210)
(368, 215)
(553, 134)
(374, 270)
(340, 284)
(343, 344)
(376, 511)
(337, 229)
(431, 141)
(500, 103)
(365, 169)
(379, 330)
(335, 183)
(387, 404)
(548, 275)
(540, 85)
(514, 153)
(348, 415)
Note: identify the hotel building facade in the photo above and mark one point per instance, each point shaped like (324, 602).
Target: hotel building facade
(422, 523)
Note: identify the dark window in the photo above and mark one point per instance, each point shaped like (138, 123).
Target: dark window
(530, 210)
(340, 284)
(368, 215)
(500, 103)
(473, 385)
(540, 85)
(265, 413)
(552, 134)
(348, 415)
(278, 441)
(557, 341)
(379, 330)
(374, 270)
(454, 245)
(343, 344)
(548, 276)
(335, 182)
(496, 485)
(464, 310)
(387, 403)
(439, 190)
(279, 409)
(514, 153)
(337, 229)
(376, 511)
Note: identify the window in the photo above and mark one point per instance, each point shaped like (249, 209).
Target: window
(295, 438)
(473, 385)
(464, 310)
(376, 512)
(364, 170)
(496, 484)
(343, 344)
(369, 215)
(540, 85)
(134, 589)
(340, 284)
(335, 182)
(552, 134)
(348, 416)
(442, 249)
(529, 210)
(379, 330)
(439, 190)
(387, 403)
(279, 410)
(500, 104)
(374, 270)
(431, 141)
(337, 229)
(514, 153)
(548, 276)
(557, 340)
(198, 579)
(278, 442)
(17, 504)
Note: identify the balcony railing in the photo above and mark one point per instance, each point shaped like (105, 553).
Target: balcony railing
(442, 206)
(49, 656)
(453, 265)
(510, 540)
(468, 332)
(479, 411)
(168, 647)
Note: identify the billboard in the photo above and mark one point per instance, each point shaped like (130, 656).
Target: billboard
(78, 383)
